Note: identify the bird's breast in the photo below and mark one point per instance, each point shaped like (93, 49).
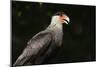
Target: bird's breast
(58, 36)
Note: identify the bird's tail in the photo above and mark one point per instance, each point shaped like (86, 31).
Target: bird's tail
(20, 61)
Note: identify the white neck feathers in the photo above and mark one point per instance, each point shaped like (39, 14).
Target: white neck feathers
(55, 23)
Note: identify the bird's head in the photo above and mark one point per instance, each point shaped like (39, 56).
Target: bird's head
(61, 17)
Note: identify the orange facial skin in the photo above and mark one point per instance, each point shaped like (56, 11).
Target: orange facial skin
(62, 18)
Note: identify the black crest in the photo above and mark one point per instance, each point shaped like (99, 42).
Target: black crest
(59, 13)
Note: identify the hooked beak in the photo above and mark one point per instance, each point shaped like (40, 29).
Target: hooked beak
(66, 20)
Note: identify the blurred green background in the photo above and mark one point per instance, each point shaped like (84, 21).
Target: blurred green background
(29, 18)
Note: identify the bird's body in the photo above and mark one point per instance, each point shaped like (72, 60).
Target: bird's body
(43, 44)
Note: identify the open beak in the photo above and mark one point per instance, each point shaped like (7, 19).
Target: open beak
(66, 20)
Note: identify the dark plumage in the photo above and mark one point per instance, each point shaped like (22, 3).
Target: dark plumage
(44, 43)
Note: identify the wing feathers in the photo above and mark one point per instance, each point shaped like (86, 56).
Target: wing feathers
(35, 46)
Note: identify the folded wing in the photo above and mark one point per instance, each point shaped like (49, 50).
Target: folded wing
(36, 46)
